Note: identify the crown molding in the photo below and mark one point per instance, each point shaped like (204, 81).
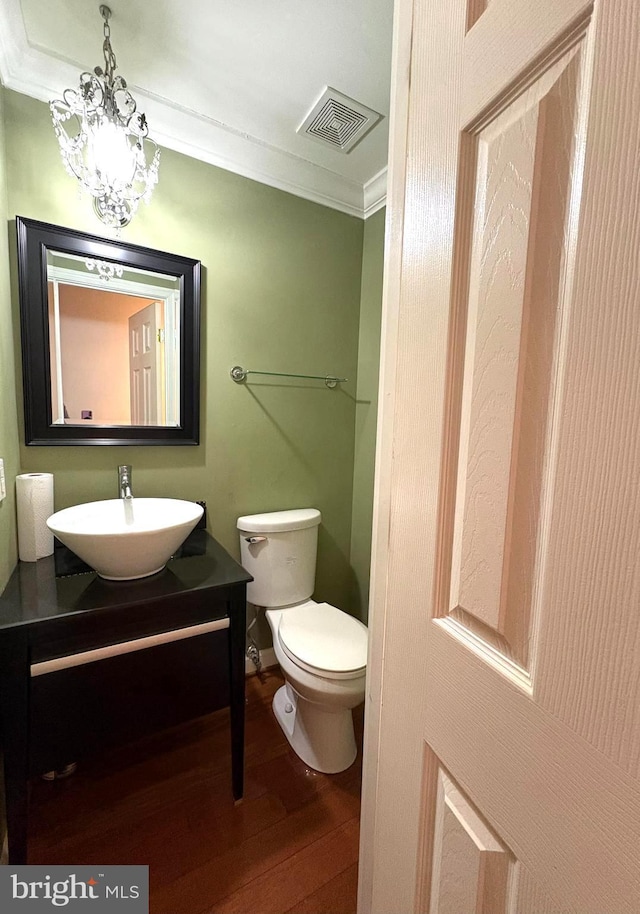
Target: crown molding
(217, 144)
(32, 72)
(375, 193)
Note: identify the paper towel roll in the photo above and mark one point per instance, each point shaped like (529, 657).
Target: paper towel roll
(34, 500)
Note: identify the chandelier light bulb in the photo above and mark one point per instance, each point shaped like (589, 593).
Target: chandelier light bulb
(104, 141)
(110, 154)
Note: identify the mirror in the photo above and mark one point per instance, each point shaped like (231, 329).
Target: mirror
(110, 340)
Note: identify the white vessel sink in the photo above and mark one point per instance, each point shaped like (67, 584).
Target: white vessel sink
(123, 539)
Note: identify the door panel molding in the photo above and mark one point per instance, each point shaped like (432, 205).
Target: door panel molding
(472, 869)
(517, 184)
(594, 812)
(489, 81)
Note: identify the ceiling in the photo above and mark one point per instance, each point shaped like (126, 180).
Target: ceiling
(226, 82)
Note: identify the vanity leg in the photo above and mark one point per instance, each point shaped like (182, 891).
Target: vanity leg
(237, 629)
(14, 726)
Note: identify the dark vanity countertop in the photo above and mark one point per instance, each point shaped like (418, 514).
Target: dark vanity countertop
(34, 594)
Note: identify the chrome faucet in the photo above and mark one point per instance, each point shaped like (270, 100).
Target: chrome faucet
(124, 482)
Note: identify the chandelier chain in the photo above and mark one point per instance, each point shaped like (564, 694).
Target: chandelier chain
(110, 65)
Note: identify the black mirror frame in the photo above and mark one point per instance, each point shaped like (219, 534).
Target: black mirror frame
(34, 240)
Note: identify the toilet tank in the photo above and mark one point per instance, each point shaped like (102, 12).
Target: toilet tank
(282, 556)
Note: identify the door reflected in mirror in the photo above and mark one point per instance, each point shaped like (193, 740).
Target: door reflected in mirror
(114, 343)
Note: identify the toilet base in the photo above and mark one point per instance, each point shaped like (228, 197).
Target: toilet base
(322, 737)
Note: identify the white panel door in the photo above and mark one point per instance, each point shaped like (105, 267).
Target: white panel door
(502, 757)
(145, 368)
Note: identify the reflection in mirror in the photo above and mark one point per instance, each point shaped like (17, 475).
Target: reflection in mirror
(114, 343)
(110, 340)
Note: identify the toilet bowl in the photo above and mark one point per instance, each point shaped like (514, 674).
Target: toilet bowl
(322, 651)
(314, 706)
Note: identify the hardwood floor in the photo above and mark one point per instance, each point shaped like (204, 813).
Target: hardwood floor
(290, 847)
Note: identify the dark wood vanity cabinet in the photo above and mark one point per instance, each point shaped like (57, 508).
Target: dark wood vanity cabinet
(86, 664)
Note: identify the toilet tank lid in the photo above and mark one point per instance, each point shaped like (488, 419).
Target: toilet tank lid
(280, 521)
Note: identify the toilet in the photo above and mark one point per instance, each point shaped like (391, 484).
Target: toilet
(322, 651)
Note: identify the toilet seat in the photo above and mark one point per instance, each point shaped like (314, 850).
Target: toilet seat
(324, 640)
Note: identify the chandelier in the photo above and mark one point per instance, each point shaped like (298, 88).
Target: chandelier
(104, 141)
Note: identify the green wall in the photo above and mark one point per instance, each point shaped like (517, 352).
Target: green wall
(366, 411)
(9, 449)
(282, 280)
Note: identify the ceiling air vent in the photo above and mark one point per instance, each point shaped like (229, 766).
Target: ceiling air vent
(338, 121)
